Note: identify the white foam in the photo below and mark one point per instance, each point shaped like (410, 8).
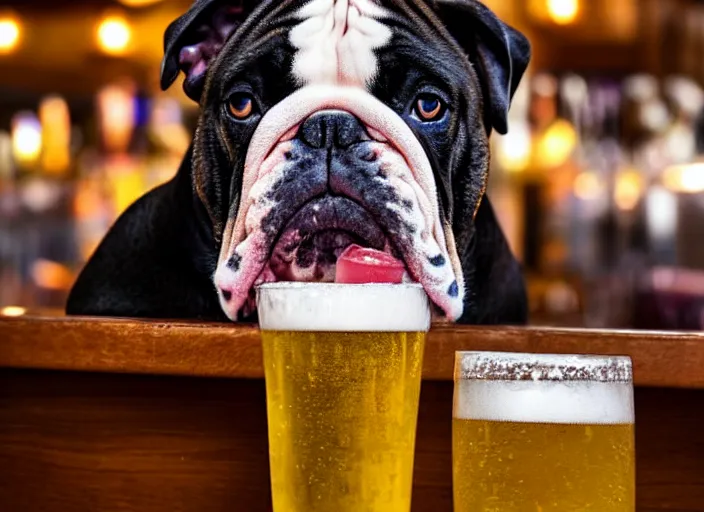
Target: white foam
(544, 401)
(553, 367)
(336, 307)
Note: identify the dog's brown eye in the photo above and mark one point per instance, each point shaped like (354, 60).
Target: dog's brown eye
(241, 105)
(429, 108)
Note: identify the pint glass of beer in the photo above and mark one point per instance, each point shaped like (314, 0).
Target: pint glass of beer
(543, 433)
(343, 373)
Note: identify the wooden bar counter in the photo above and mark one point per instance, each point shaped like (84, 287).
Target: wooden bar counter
(121, 415)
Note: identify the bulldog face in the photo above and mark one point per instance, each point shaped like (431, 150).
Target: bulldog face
(331, 122)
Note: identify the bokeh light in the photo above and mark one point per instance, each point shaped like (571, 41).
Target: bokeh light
(588, 186)
(514, 148)
(661, 213)
(114, 35)
(10, 32)
(56, 127)
(563, 12)
(556, 145)
(686, 179)
(629, 189)
(51, 275)
(13, 311)
(26, 138)
(139, 3)
(117, 115)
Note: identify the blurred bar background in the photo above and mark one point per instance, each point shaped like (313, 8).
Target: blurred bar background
(599, 184)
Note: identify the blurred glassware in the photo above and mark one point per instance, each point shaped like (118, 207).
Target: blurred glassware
(670, 299)
(56, 129)
(117, 114)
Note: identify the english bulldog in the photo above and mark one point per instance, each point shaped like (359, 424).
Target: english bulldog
(323, 123)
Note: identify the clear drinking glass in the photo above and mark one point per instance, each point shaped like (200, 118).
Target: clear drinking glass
(547, 433)
(343, 374)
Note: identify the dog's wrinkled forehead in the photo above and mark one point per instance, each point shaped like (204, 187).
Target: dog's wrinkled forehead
(340, 42)
(330, 41)
(336, 41)
(333, 40)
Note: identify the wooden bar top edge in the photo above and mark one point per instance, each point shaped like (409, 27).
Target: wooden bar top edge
(674, 360)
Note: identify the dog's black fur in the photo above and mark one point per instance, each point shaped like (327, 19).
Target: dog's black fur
(158, 259)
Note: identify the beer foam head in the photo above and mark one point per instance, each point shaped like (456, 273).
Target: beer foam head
(328, 307)
(543, 388)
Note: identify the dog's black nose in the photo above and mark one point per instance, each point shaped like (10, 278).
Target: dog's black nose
(332, 128)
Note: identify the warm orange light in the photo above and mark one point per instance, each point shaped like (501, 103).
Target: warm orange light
(117, 115)
(126, 184)
(563, 12)
(51, 275)
(513, 149)
(687, 179)
(114, 35)
(13, 311)
(587, 186)
(10, 31)
(629, 189)
(139, 3)
(556, 145)
(166, 125)
(26, 138)
(56, 127)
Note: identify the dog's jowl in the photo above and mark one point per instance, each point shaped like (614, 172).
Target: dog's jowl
(323, 123)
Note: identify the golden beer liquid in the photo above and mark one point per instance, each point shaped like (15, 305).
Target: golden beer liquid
(522, 467)
(342, 412)
(502, 466)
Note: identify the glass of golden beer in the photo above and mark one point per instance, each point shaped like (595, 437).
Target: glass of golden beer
(543, 433)
(343, 373)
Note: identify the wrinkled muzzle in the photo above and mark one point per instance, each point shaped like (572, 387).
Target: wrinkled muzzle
(326, 168)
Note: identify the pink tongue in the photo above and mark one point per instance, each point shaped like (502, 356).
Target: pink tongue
(358, 265)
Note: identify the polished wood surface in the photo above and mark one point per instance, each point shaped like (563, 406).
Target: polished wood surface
(73, 442)
(130, 416)
(224, 350)
(88, 442)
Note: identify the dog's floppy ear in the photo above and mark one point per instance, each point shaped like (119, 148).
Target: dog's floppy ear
(195, 39)
(499, 53)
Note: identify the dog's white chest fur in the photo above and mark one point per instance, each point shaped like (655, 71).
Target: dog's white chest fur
(336, 40)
